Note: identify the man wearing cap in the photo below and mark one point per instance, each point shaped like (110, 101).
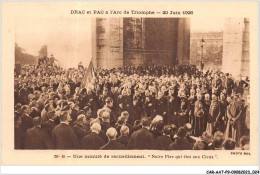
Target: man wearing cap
(112, 144)
(63, 135)
(93, 141)
(37, 137)
(142, 138)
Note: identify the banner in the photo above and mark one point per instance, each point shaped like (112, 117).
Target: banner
(89, 74)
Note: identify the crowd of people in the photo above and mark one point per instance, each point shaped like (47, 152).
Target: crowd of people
(146, 107)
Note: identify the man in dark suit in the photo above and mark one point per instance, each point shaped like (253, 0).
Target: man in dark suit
(188, 129)
(124, 137)
(35, 112)
(112, 143)
(143, 138)
(93, 141)
(49, 124)
(37, 137)
(79, 128)
(27, 121)
(181, 143)
(163, 141)
(63, 135)
(19, 133)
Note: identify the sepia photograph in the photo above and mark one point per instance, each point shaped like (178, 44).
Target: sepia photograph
(142, 84)
(148, 83)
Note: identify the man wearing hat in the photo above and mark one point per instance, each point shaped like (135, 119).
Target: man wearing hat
(112, 144)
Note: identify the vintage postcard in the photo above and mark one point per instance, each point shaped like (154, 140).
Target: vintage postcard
(129, 83)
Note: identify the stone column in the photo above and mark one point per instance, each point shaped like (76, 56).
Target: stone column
(236, 46)
(109, 42)
(94, 41)
(183, 50)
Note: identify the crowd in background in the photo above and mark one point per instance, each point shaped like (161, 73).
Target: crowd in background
(145, 107)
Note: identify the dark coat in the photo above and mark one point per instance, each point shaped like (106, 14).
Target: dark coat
(141, 139)
(105, 126)
(35, 113)
(64, 137)
(163, 142)
(123, 139)
(19, 136)
(113, 145)
(80, 132)
(103, 135)
(180, 144)
(92, 142)
(49, 126)
(27, 122)
(37, 138)
(190, 140)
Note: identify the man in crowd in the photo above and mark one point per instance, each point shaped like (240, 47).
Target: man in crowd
(63, 135)
(93, 141)
(112, 144)
(143, 138)
(37, 137)
(182, 94)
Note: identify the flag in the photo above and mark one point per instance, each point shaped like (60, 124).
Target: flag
(89, 74)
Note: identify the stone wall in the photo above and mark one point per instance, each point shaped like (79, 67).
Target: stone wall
(149, 41)
(236, 46)
(109, 42)
(140, 41)
(183, 53)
